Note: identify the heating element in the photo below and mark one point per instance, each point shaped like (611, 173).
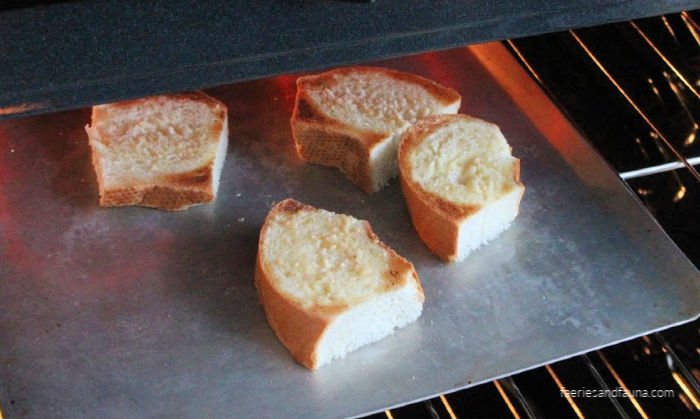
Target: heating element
(632, 89)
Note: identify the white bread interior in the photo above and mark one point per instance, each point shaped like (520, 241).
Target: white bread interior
(164, 152)
(328, 285)
(461, 183)
(353, 118)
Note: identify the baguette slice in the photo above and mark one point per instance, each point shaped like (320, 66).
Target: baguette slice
(163, 152)
(461, 183)
(352, 119)
(328, 285)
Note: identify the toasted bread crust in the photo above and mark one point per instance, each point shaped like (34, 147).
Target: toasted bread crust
(441, 93)
(301, 329)
(438, 232)
(324, 140)
(160, 197)
(172, 192)
(183, 96)
(348, 152)
(436, 220)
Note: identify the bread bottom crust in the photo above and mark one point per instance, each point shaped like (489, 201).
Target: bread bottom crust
(155, 196)
(347, 153)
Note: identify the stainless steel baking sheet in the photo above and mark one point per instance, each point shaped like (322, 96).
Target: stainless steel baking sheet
(133, 312)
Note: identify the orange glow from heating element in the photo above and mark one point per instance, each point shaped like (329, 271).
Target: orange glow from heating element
(448, 407)
(506, 399)
(566, 395)
(14, 248)
(287, 86)
(622, 385)
(686, 389)
(438, 67)
(21, 108)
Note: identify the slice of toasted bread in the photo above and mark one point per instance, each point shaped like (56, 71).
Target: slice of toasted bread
(461, 183)
(163, 152)
(352, 119)
(328, 285)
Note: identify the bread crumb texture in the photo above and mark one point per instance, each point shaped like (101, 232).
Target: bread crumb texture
(467, 162)
(140, 140)
(323, 259)
(373, 100)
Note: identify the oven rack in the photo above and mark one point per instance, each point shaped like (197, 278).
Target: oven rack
(652, 116)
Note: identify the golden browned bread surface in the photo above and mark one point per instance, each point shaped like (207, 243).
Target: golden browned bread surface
(461, 184)
(165, 152)
(329, 285)
(351, 118)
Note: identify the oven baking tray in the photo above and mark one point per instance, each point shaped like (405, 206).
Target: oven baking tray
(134, 312)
